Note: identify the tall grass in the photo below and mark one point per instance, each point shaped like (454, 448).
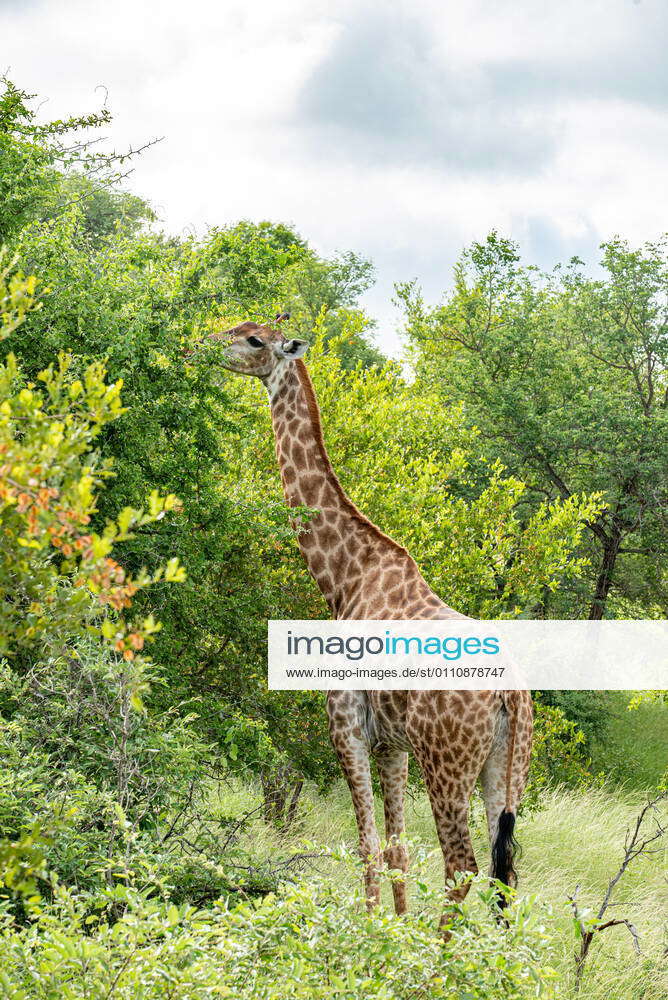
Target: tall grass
(576, 838)
(634, 750)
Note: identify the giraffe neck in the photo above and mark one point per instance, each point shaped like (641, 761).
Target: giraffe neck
(335, 540)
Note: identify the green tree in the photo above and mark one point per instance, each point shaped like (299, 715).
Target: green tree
(37, 157)
(104, 209)
(58, 576)
(566, 377)
(73, 686)
(405, 460)
(324, 294)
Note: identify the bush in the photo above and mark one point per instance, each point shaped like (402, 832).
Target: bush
(589, 710)
(307, 941)
(559, 754)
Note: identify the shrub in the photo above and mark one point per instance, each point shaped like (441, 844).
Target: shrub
(559, 755)
(589, 710)
(307, 941)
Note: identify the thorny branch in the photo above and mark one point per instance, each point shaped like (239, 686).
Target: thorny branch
(635, 845)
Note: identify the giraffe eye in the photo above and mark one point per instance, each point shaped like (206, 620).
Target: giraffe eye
(255, 341)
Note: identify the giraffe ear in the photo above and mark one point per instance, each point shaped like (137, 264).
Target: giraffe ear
(293, 349)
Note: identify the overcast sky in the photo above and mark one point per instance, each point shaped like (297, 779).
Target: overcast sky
(400, 130)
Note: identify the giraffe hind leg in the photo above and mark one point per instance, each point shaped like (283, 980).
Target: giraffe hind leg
(501, 813)
(449, 800)
(450, 749)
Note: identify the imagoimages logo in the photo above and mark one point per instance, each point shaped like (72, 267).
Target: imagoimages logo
(355, 647)
(467, 655)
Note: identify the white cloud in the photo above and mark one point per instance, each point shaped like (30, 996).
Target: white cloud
(402, 132)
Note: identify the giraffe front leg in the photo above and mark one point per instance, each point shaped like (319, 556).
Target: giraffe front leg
(347, 736)
(393, 774)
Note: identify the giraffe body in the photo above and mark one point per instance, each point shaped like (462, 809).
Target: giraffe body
(457, 737)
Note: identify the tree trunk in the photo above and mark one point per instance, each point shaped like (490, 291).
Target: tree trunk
(275, 792)
(294, 801)
(281, 789)
(604, 580)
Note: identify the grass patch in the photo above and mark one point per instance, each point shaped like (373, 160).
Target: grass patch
(634, 751)
(577, 838)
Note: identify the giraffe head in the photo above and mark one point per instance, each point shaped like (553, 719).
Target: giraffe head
(252, 349)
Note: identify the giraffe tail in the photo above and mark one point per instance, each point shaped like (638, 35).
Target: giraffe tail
(503, 850)
(505, 846)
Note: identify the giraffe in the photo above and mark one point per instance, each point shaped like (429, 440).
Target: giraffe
(458, 737)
